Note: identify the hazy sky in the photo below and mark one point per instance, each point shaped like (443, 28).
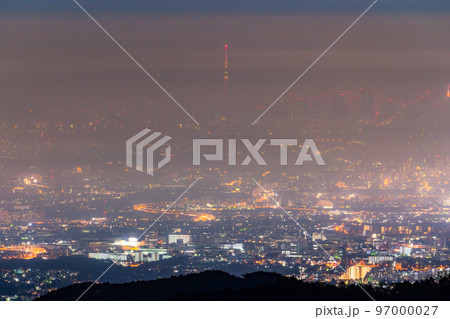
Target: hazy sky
(53, 56)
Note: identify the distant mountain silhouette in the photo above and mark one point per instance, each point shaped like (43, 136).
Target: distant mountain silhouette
(218, 285)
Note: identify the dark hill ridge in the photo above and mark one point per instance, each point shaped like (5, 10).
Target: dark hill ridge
(259, 286)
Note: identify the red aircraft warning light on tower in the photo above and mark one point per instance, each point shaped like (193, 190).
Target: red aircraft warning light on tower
(225, 72)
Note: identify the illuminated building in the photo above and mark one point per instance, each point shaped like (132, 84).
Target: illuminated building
(178, 239)
(448, 90)
(137, 256)
(34, 179)
(446, 204)
(356, 272)
(405, 250)
(368, 228)
(318, 236)
(326, 204)
(376, 259)
(237, 246)
(398, 266)
(151, 238)
(112, 256)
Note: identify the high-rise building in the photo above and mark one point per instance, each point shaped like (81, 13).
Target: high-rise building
(151, 238)
(356, 272)
(179, 239)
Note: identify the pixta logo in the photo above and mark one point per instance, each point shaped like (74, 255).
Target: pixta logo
(253, 151)
(143, 146)
(144, 142)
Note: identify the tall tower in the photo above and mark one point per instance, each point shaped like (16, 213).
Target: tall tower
(448, 89)
(225, 71)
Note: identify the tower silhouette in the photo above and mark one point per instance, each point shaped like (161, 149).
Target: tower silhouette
(225, 72)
